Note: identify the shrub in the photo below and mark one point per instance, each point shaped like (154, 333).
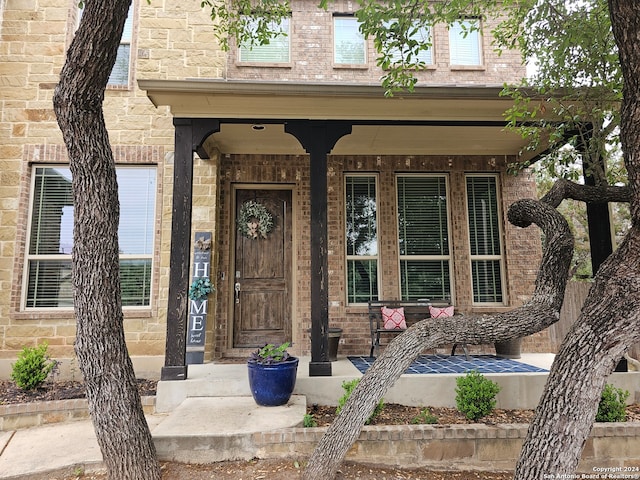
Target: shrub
(475, 395)
(612, 405)
(348, 388)
(32, 367)
(309, 421)
(424, 416)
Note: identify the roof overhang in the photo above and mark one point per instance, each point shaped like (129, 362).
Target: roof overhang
(433, 120)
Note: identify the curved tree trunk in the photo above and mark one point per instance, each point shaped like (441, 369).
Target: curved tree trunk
(114, 402)
(543, 310)
(608, 325)
(610, 320)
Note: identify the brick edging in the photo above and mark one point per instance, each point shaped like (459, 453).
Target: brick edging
(24, 415)
(468, 446)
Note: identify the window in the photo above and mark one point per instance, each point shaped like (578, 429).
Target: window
(484, 233)
(348, 42)
(464, 43)
(423, 237)
(276, 51)
(48, 271)
(419, 37)
(361, 238)
(120, 72)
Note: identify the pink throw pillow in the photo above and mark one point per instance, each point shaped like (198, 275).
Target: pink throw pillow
(437, 312)
(393, 318)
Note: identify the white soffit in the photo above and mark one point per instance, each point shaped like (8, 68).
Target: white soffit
(467, 107)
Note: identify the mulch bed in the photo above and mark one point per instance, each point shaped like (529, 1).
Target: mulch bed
(392, 414)
(10, 393)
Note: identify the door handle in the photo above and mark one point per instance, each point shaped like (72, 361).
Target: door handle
(237, 291)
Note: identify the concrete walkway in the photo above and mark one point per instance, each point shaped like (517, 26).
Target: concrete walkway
(217, 428)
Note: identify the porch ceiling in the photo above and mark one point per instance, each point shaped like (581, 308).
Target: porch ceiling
(445, 120)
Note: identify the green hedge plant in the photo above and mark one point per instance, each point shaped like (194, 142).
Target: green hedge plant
(476, 395)
(612, 407)
(32, 367)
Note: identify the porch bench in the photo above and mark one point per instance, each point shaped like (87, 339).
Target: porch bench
(414, 311)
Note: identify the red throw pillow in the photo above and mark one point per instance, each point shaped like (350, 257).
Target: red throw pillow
(393, 318)
(437, 312)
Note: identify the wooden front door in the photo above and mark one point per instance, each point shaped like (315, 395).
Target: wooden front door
(262, 276)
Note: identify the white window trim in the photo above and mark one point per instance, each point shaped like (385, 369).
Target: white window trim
(467, 66)
(252, 63)
(500, 257)
(336, 64)
(67, 257)
(450, 257)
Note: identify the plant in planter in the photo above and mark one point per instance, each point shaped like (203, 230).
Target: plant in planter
(272, 374)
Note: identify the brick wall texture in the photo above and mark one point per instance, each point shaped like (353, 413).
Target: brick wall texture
(175, 40)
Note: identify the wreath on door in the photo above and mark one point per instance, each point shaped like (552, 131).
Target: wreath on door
(254, 220)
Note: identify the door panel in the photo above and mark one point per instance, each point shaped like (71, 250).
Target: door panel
(262, 303)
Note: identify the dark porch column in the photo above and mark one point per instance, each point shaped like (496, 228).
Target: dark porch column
(318, 138)
(599, 226)
(189, 137)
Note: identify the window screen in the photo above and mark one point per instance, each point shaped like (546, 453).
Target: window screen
(361, 238)
(419, 37)
(51, 236)
(276, 51)
(484, 239)
(423, 231)
(349, 43)
(464, 43)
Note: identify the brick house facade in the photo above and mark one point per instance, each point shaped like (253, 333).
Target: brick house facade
(174, 42)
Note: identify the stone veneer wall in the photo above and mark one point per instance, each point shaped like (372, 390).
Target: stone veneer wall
(171, 40)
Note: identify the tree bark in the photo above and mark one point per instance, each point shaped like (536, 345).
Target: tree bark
(114, 402)
(609, 322)
(543, 310)
(608, 325)
(606, 328)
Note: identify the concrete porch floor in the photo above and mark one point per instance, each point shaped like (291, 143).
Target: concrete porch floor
(230, 380)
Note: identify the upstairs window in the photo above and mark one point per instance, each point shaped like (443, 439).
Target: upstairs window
(361, 238)
(48, 270)
(464, 43)
(120, 74)
(349, 46)
(423, 231)
(485, 239)
(276, 51)
(419, 37)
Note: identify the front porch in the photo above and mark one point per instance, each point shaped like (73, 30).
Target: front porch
(519, 390)
(308, 139)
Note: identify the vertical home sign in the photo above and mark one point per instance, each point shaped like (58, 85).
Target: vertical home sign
(198, 308)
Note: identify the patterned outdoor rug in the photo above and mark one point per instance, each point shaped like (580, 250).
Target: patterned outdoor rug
(456, 364)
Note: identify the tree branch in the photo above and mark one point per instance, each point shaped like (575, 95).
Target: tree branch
(543, 310)
(563, 189)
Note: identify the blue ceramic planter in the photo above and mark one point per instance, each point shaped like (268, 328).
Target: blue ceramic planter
(272, 385)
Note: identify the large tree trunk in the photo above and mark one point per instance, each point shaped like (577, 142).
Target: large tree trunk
(114, 402)
(543, 310)
(608, 326)
(609, 323)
